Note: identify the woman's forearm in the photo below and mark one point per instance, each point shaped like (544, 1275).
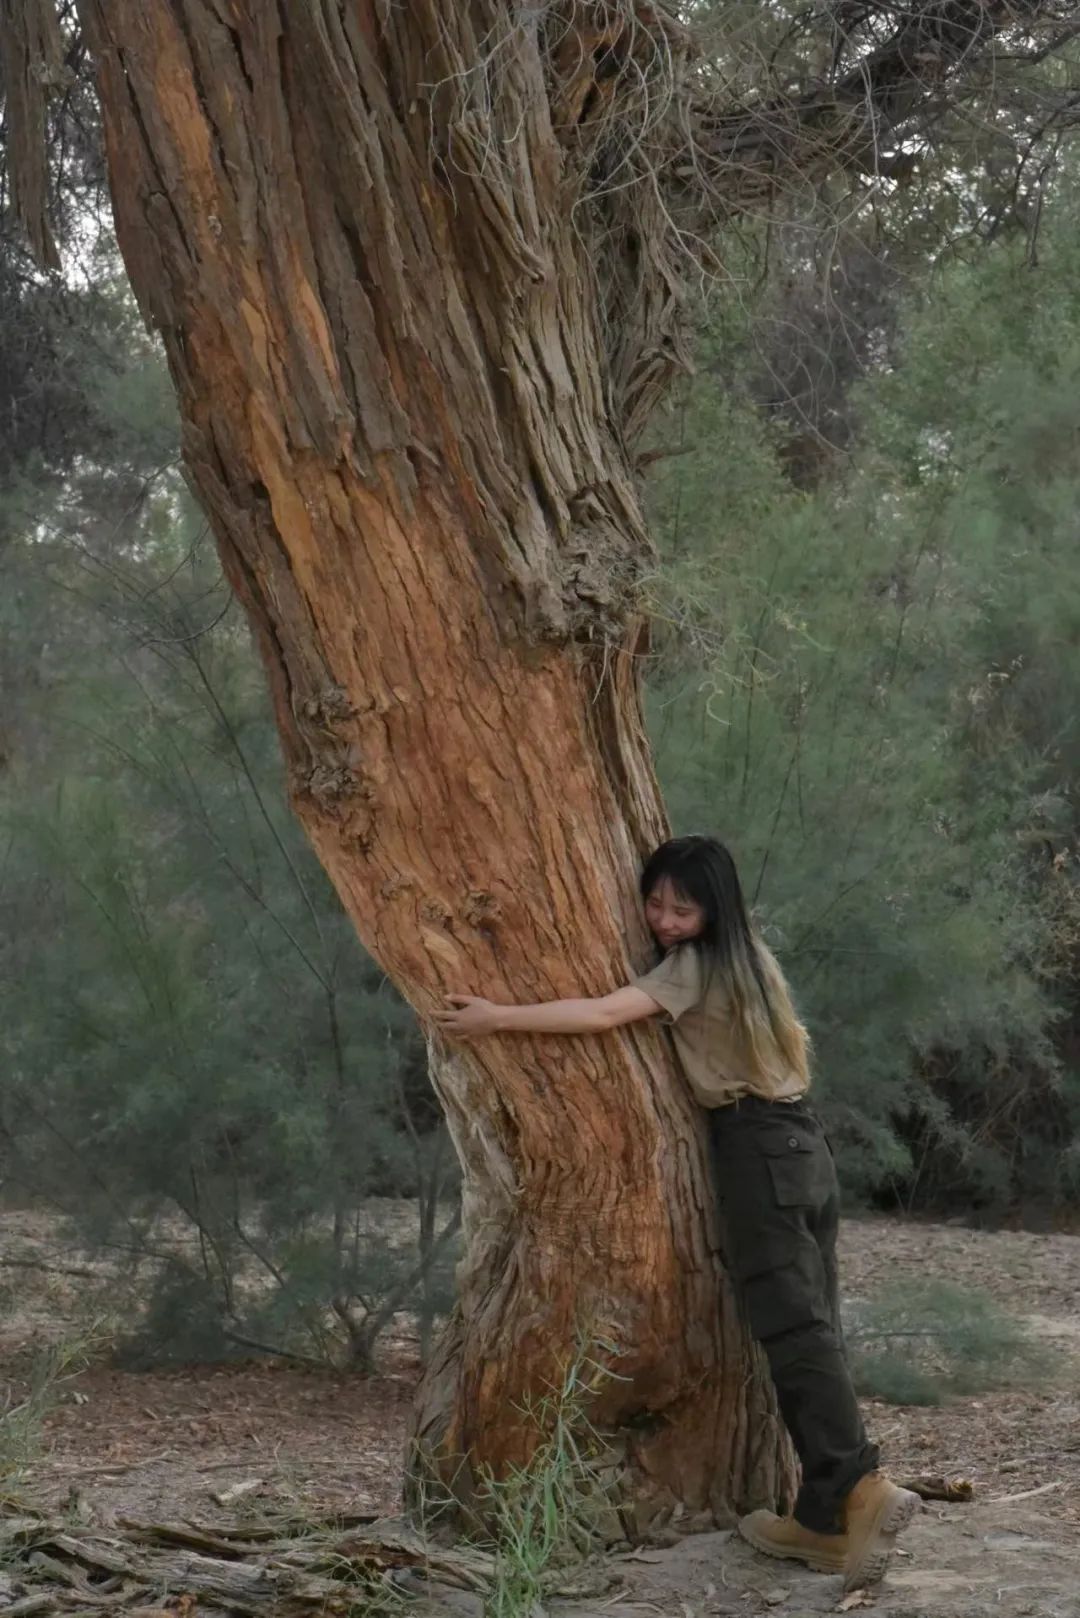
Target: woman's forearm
(469, 1017)
(555, 1017)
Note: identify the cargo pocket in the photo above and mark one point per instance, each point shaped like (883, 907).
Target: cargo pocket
(778, 1301)
(799, 1167)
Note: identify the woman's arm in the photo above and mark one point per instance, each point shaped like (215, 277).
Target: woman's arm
(471, 1018)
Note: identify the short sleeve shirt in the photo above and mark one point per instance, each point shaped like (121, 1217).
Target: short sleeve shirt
(709, 1044)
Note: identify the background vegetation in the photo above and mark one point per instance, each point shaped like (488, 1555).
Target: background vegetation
(865, 676)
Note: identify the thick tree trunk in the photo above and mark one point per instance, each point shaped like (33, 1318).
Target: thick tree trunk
(406, 410)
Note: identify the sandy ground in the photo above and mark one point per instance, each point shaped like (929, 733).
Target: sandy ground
(163, 1443)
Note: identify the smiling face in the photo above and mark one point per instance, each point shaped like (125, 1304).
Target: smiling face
(672, 915)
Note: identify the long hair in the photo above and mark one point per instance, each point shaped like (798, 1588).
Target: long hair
(701, 869)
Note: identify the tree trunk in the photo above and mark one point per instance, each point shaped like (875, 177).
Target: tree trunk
(413, 334)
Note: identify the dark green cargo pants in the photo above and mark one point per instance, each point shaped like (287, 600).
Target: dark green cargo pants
(779, 1216)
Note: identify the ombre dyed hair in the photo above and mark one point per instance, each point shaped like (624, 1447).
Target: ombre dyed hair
(701, 870)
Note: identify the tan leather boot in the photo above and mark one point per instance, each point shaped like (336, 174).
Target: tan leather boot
(874, 1513)
(783, 1536)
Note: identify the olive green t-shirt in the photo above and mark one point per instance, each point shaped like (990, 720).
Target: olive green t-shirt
(710, 1046)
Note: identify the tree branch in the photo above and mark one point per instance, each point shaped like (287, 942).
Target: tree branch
(843, 122)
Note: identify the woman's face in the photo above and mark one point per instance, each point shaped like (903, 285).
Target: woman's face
(672, 917)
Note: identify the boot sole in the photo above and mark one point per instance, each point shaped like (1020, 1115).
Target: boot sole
(816, 1564)
(868, 1563)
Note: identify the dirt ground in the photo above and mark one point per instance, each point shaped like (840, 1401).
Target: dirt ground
(163, 1444)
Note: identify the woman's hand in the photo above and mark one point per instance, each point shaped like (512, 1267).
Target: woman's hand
(470, 1018)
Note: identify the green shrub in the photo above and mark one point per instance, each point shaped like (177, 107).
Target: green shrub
(921, 1342)
(22, 1418)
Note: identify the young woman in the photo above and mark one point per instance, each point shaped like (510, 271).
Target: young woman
(744, 1053)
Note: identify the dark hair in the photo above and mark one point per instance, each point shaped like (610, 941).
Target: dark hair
(702, 870)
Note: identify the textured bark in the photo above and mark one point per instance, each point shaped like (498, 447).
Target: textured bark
(31, 65)
(399, 410)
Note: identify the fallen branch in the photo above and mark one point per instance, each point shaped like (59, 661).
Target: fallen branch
(28, 1605)
(81, 1271)
(1025, 1494)
(119, 1468)
(258, 1347)
(295, 1572)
